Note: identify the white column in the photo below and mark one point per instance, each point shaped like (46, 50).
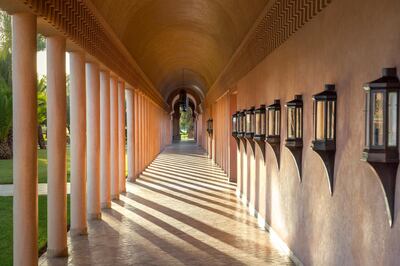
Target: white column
(93, 141)
(114, 138)
(131, 135)
(121, 136)
(78, 143)
(105, 139)
(56, 148)
(25, 217)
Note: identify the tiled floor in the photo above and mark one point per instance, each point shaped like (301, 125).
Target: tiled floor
(181, 211)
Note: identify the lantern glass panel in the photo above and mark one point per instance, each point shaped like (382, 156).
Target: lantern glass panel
(392, 119)
(277, 122)
(377, 119)
(330, 127)
(252, 123)
(262, 118)
(299, 122)
(320, 121)
(243, 123)
(367, 115)
(234, 124)
(271, 121)
(258, 123)
(291, 123)
(248, 122)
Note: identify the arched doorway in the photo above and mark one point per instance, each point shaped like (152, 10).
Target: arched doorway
(184, 117)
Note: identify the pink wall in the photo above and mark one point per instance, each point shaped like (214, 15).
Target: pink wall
(347, 44)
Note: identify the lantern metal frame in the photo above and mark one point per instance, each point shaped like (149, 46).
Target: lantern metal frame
(260, 123)
(274, 140)
(210, 126)
(325, 147)
(242, 129)
(383, 158)
(235, 128)
(295, 143)
(250, 127)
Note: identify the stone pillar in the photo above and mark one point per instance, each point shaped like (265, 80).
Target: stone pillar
(93, 141)
(121, 136)
(136, 135)
(78, 143)
(25, 220)
(105, 194)
(114, 166)
(131, 135)
(56, 148)
(140, 157)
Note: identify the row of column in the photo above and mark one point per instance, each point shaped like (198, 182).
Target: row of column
(150, 126)
(97, 141)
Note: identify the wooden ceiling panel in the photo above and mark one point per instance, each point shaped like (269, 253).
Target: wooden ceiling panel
(166, 36)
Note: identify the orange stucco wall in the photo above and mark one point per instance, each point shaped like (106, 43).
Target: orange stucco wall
(347, 44)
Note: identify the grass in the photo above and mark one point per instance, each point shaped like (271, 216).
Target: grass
(6, 168)
(6, 227)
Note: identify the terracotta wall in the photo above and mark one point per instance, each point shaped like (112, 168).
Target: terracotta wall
(152, 131)
(347, 44)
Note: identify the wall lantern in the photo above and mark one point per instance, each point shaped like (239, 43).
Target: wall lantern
(241, 124)
(324, 142)
(210, 126)
(250, 127)
(183, 100)
(236, 128)
(273, 131)
(259, 132)
(294, 123)
(381, 150)
(235, 124)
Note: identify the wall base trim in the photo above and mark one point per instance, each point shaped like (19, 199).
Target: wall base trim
(276, 239)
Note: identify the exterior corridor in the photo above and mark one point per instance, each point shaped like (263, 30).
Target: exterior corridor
(181, 211)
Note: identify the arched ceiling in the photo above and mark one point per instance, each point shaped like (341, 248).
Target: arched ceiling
(166, 37)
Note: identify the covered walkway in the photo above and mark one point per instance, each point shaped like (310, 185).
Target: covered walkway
(181, 211)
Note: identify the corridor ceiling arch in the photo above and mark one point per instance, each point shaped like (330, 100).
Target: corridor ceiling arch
(166, 36)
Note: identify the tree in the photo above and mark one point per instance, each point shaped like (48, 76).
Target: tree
(5, 87)
(42, 110)
(6, 83)
(186, 121)
(5, 120)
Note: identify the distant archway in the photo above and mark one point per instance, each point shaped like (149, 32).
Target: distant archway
(184, 117)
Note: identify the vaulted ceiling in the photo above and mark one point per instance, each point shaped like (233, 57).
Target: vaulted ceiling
(181, 42)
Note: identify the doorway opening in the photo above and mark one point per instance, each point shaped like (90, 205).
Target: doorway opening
(186, 123)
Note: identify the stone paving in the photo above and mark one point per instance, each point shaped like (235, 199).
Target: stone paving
(181, 211)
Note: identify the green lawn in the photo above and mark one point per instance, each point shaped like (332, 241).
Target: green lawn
(6, 168)
(6, 227)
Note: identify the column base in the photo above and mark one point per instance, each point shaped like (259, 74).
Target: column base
(78, 232)
(106, 205)
(94, 216)
(51, 253)
(115, 197)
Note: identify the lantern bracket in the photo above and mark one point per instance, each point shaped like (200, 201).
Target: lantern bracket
(261, 144)
(386, 172)
(244, 143)
(328, 158)
(237, 140)
(274, 142)
(296, 150)
(252, 145)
